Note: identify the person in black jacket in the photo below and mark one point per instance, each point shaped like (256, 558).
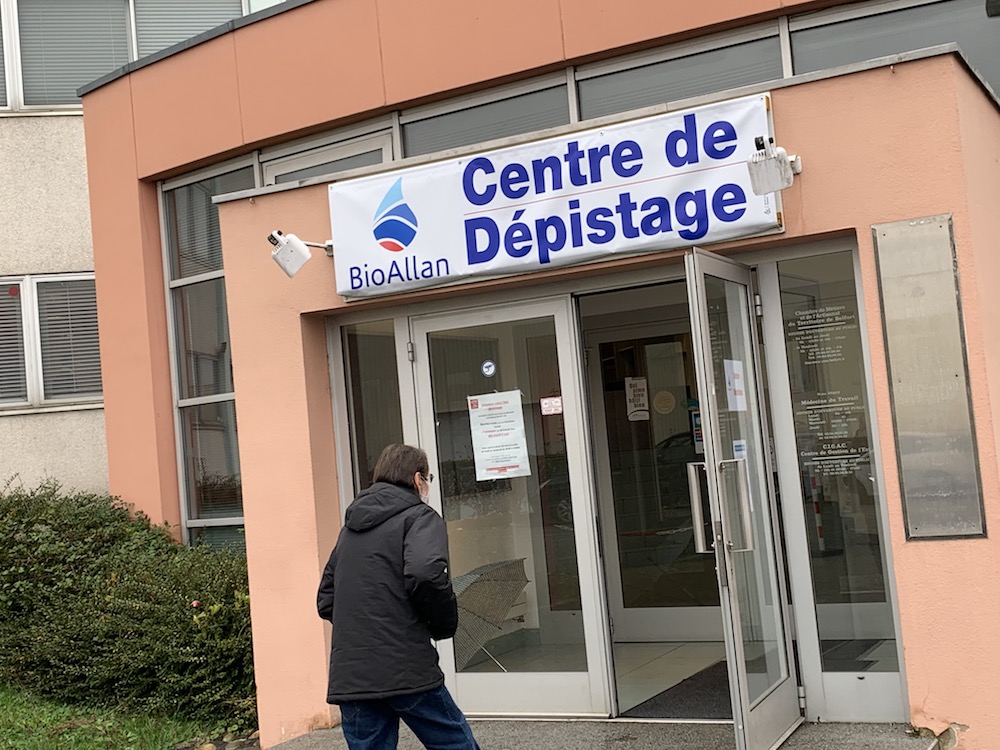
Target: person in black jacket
(387, 592)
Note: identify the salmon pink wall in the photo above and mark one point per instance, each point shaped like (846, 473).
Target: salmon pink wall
(949, 589)
(287, 459)
(883, 114)
(947, 612)
(328, 60)
(359, 57)
(135, 368)
(330, 47)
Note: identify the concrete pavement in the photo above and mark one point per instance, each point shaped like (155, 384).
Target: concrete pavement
(621, 734)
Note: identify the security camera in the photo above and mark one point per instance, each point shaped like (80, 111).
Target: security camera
(771, 168)
(289, 252)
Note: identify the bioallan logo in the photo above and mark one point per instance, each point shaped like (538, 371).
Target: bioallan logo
(395, 228)
(395, 223)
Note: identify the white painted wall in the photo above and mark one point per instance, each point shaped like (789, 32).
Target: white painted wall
(68, 447)
(45, 228)
(44, 204)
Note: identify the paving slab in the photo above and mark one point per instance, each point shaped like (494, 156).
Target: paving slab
(621, 734)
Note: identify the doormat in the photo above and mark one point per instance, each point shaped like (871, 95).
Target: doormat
(704, 695)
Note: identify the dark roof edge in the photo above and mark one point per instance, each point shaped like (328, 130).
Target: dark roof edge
(205, 36)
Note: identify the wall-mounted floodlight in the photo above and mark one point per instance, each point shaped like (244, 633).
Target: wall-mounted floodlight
(993, 8)
(771, 168)
(291, 253)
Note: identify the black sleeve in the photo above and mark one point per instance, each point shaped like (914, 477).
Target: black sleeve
(324, 598)
(425, 571)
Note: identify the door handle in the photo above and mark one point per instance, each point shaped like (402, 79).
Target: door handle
(743, 495)
(697, 517)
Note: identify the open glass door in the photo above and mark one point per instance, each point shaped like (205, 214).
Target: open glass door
(500, 415)
(765, 698)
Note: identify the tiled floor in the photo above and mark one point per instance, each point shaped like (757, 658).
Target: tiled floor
(643, 670)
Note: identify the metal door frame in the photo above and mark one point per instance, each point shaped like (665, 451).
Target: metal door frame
(780, 702)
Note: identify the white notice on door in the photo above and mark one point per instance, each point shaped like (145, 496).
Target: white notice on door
(735, 385)
(637, 399)
(498, 439)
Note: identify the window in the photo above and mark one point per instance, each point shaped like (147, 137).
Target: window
(49, 353)
(160, 24)
(328, 159)
(680, 77)
(213, 496)
(61, 45)
(833, 438)
(255, 5)
(67, 43)
(536, 110)
(3, 72)
(823, 42)
(373, 394)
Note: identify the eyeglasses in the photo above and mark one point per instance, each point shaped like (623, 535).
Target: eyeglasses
(429, 478)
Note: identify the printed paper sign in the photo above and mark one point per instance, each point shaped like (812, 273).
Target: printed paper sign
(499, 444)
(735, 386)
(551, 406)
(637, 399)
(699, 440)
(740, 449)
(658, 183)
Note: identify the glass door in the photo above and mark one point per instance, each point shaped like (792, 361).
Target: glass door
(501, 417)
(644, 406)
(741, 499)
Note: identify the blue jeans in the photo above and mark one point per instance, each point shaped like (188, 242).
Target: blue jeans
(432, 716)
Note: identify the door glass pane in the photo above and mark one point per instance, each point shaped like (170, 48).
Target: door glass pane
(744, 485)
(373, 404)
(832, 434)
(650, 403)
(505, 494)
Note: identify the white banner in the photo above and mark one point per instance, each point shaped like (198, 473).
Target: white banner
(662, 182)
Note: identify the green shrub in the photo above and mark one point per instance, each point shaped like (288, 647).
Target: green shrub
(99, 606)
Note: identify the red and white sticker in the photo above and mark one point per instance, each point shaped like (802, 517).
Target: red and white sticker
(551, 406)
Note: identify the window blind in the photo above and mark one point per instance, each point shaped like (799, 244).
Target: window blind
(13, 382)
(3, 76)
(520, 114)
(67, 328)
(193, 222)
(161, 23)
(68, 43)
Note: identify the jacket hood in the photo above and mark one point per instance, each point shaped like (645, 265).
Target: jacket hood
(378, 504)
